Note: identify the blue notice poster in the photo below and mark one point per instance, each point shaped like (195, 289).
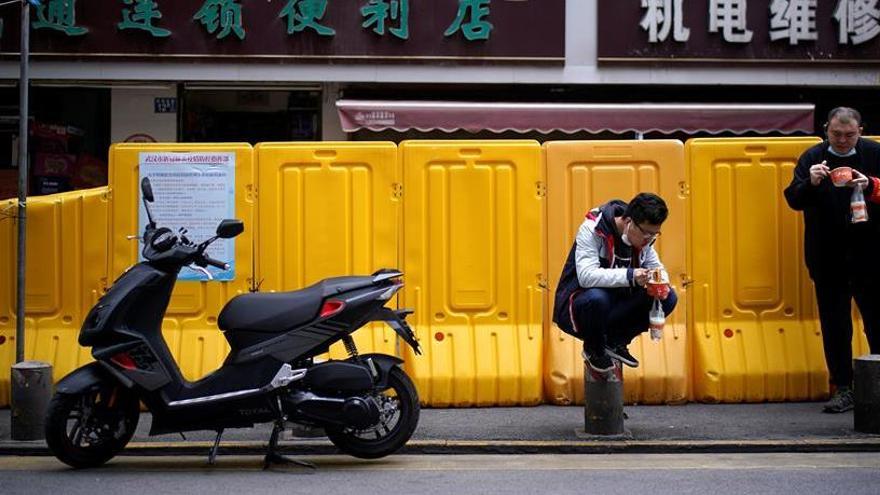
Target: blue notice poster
(194, 191)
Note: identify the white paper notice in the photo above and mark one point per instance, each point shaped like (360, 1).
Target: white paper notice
(194, 191)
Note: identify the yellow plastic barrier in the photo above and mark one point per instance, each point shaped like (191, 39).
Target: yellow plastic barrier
(756, 335)
(471, 227)
(66, 267)
(328, 209)
(190, 325)
(472, 258)
(8, 243)
(585, 174)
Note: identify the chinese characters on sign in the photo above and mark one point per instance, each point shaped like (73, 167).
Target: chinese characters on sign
(195, 191)
(376, 12)
(739, 29)
(859, 20)
(165, 105)
(730, 17)
(660, 17)
(224, 17)
(305, 14)
(297, 30)
(225, 14)
(59, 15)
(145, 11)
(476, 27)
(792, 20)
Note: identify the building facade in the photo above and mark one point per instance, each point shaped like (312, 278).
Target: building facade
(111, 71)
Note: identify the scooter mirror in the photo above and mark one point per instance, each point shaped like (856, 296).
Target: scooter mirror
(147, 189)
(230, 228)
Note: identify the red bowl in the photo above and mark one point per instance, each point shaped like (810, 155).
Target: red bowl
(841, 175)
(658, 290)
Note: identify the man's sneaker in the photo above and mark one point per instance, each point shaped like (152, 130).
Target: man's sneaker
(841, 401)
(599, 362)
(621, 353)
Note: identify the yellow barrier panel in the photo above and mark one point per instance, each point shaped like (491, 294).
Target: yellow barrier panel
(472, 256)
(8, 243)
(756, 334)
(585, 174)
(66, 267)
(190, 325)
(328, 209)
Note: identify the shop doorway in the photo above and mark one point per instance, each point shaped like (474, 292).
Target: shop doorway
(253, 115)
(68, 140)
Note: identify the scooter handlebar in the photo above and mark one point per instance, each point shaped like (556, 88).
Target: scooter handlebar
(216, 263)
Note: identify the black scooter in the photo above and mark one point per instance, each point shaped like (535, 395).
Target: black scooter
(366, 404)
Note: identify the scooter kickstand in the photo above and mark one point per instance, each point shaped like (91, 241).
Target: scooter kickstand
(273, 457)
(212, 454)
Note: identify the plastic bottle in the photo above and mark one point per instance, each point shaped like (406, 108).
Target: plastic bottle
(857, 206)
(656, 320)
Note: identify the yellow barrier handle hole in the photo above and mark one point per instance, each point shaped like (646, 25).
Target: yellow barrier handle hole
(325, 154)
(755, 150)
(470, 152)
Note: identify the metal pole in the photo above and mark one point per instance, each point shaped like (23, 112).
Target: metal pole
(603, 401)
(866, 393)
(22, 177)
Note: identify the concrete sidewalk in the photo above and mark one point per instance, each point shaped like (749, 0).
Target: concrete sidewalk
(776, 427)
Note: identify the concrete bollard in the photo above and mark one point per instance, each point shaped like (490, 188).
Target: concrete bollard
(31, 393)
(866, 393)
(603, 401)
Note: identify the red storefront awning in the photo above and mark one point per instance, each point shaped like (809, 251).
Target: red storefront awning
(449, 116)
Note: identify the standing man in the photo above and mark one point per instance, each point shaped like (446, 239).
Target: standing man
(601, 297)
(841, 256)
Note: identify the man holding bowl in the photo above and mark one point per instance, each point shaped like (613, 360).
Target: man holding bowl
(840, 249)
(611, 277)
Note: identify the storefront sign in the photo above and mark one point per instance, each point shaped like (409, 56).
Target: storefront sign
(165, 105)
(740, 30)
(194, 191)
(485, 30)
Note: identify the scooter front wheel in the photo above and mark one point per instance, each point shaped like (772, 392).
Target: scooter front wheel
(399, 416)
(89, 428)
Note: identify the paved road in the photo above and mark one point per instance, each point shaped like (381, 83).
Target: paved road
(801, 474)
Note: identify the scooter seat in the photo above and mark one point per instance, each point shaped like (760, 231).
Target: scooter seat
(280, 311)
(271, 311)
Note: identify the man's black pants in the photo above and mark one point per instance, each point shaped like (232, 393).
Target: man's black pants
(611, 317)
(834, 297)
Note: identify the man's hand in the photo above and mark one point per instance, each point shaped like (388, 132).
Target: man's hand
(858, 179)
(640, 276)
(818, 172)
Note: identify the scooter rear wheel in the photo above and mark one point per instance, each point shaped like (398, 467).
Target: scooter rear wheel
(89, 428)
(399, 416)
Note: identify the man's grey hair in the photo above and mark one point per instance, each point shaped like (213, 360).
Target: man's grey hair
(845, 115)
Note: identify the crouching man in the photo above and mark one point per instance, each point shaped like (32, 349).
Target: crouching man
(601, 297)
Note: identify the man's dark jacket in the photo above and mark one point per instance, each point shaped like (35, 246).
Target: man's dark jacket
(831, 242)
(568, 285)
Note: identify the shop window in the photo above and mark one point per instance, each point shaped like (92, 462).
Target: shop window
(68, 139)
(251, 115)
